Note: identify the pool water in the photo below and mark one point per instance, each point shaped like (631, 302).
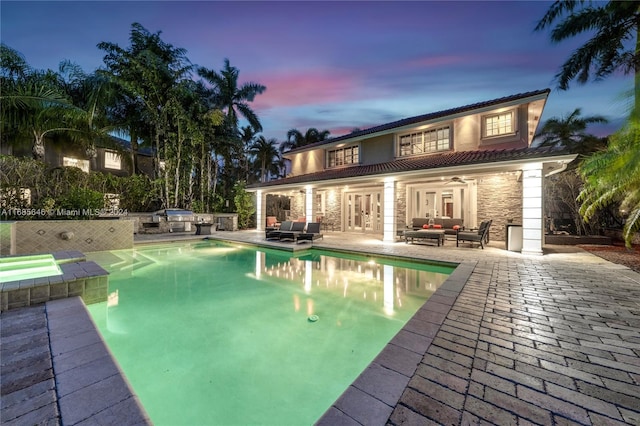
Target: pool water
(213, 334)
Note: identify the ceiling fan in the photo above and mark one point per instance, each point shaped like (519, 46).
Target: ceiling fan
(456, 179)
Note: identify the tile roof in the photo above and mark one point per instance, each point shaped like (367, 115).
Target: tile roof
(424, 162)
(425, 117)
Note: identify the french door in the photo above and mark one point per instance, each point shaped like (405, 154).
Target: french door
(363, 211)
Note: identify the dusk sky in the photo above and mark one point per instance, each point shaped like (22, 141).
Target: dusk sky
(333, 65)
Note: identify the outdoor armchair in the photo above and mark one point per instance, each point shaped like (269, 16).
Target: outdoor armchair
(480, 236)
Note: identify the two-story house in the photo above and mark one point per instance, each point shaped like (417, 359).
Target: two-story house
(474, 163)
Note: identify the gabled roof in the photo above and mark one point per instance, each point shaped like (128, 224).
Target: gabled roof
(426, 117)
(425, 162)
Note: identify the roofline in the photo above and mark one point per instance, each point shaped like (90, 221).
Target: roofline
(434, 171)
(429, 118)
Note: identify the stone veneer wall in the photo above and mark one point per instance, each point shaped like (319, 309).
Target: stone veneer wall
(401, 205)
(499, 199)
(333, 209)
(46, 236)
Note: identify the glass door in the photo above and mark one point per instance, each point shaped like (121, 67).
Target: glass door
(363, 212)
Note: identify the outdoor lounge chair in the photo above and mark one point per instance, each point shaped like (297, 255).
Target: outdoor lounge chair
(312, 233)
(272, 234)
(297, 228)
(480, 236)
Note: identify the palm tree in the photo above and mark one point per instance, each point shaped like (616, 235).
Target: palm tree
(93, 95)
(267, 156)
(33, 103)
(234, 99)
(569, 132)
(295, 138)
(614, 23)
(613, 176)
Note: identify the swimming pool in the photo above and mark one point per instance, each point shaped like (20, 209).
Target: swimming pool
(210, 333)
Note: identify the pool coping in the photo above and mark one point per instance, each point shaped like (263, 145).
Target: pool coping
(90, 385)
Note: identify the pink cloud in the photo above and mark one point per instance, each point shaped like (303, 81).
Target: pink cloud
(304, 88)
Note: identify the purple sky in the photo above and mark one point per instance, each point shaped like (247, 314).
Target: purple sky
(333, 65)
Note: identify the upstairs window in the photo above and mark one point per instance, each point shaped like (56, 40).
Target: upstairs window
(498, 124)
(112, 160)
(343, 156)
(432, 140)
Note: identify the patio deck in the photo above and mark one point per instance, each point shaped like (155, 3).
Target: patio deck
(510, 339)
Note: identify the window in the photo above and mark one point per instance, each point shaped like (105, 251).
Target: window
(342, 156)
(112, 160)
(498, 124)
(74, 162)
(432, 140)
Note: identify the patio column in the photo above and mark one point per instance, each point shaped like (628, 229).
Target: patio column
(261, 209)
(389, 211)
(532, 211)
(309, 204)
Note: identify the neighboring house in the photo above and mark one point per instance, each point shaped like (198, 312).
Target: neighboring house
(106, 160)
(473, 163)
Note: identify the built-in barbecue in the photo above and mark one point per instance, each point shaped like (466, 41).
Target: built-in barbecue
(179, 220)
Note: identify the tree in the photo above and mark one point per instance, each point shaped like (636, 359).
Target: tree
(295, 138)
(569, 132)
(267, 156)
(151, 70)
(613, 46)
(234, 99)
(613, 176)
(32, 102)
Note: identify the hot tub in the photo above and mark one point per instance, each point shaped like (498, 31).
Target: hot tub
(25, 267)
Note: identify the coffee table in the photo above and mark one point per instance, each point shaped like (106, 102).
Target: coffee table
(425, 235)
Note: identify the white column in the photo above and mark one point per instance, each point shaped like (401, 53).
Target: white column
(389, 211)
(532, 211)
(261, 209)
(309, 204)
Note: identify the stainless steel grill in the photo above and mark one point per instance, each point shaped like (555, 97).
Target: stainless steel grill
(178, 219)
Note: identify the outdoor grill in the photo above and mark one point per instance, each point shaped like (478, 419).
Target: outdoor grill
(177, 219)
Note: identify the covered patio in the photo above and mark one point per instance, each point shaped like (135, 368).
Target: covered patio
(505, 186)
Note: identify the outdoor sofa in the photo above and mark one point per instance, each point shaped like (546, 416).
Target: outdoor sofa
(449, 225)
